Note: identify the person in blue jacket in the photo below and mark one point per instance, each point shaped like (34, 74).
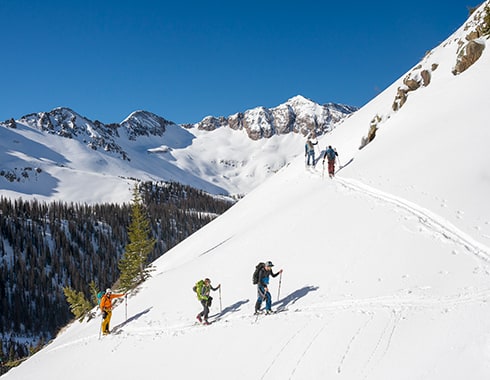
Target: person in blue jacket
(330, 155)
(262, 288)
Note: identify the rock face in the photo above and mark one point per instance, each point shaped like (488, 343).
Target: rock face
(418, 77)
(472, 46)
(469, 54)
(143, 123)
(297, 115)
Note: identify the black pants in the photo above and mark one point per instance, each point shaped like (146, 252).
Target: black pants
(206, 304)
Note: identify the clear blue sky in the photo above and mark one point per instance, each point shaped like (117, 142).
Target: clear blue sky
(184, 60)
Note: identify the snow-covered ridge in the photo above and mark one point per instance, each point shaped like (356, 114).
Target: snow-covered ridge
(297, 115)
(145, 146)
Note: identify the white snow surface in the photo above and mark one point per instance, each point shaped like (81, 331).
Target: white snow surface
(386, 266)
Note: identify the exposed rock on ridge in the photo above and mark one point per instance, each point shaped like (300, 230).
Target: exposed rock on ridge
(297, 115)
(470, 48)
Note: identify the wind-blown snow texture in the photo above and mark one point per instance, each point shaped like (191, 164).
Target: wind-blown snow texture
(386, 267)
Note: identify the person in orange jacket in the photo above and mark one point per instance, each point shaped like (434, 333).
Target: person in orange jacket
(106, 308)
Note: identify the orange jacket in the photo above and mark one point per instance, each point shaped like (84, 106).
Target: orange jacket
(106, 301)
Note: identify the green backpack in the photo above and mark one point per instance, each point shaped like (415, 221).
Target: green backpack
(198, 288)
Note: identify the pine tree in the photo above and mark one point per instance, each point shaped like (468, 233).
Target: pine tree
(79, 305)
(93, 292)
(133, 263)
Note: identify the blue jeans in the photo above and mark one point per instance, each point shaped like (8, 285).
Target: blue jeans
(263, 295)
(311, 154)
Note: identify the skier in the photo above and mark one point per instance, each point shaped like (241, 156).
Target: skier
(262, 287)
(203, 288)
(310, 151)
(106, 308)
(330, 155)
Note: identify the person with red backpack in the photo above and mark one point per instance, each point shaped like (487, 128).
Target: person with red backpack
(106, 308)
(330, 155)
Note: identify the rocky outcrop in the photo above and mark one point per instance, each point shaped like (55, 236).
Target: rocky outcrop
(297, 115)
(472, 46)
(468, 55)
(373, 127)
(144, 123)
(210, 123)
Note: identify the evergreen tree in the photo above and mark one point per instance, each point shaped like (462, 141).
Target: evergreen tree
(94, 291)
(79, 305)
(133, 263)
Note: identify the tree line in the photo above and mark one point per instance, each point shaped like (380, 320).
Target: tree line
(46, 247)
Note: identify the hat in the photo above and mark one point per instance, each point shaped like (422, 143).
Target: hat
(108, 290)
(269, 264)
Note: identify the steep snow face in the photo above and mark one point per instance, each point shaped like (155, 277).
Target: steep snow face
(386, 266)
(437, 151)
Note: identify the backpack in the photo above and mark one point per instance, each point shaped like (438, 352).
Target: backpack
(255, 277)
(331, 154)
(99, 297)
(197, 288)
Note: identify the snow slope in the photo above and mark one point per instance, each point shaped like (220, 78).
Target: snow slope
(386, 267)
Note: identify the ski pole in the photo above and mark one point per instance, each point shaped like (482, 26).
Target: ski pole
(279, 289)
(100, 329)
(126, 305)
(220, 306)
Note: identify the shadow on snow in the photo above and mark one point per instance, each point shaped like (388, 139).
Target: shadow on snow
(294, 296)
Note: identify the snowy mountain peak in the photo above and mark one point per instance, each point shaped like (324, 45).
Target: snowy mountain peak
(297, 115)
(300, 100)
(144, 123)
(62, 121)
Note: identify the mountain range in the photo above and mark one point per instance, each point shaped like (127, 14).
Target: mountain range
(44, 153)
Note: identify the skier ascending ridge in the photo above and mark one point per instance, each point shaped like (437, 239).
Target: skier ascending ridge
(264, 271)
(330, 155)
(106, 308)
(310, 151)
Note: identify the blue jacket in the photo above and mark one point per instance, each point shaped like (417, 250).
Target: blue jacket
(330, 154)
(264, 276)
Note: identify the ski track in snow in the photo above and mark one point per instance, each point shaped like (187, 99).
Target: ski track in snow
(314, 321)
(285, 345)
(301, 357)
(430, 220)
(349, 345)
(386, 337)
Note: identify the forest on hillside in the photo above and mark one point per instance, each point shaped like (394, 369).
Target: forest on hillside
(47, 246)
